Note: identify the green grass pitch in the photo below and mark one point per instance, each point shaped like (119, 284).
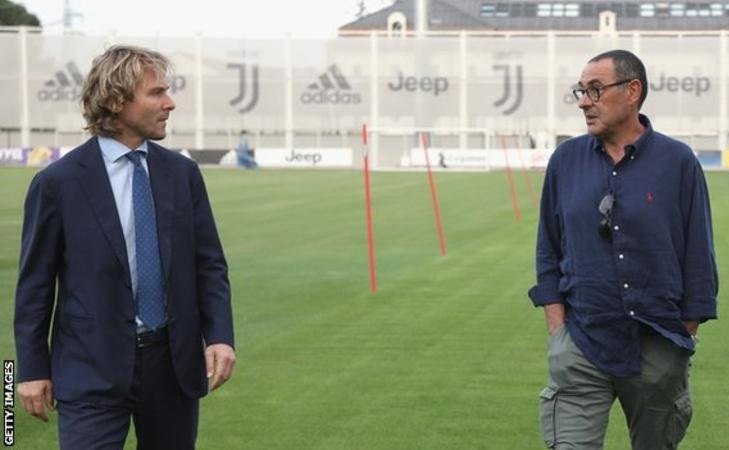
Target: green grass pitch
(448, 354)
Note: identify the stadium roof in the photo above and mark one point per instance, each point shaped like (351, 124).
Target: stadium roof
(541, 15)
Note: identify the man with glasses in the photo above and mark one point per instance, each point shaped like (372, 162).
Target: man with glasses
(625, 268)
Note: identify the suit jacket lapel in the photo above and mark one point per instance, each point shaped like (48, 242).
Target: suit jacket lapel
(95, 182)
(161, 179)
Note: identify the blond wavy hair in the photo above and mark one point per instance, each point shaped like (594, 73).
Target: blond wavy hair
(111, 82)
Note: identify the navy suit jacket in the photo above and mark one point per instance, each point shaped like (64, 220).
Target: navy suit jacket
(74, 271)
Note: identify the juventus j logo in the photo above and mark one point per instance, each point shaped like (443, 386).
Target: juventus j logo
(240, 100)
(518, 82)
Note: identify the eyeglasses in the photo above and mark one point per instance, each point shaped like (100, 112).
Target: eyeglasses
(606, 223)
(594, 92)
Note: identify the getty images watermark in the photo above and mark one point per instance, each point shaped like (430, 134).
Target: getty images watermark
(8, 402)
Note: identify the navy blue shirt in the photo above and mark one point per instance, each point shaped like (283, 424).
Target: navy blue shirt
(657, 269)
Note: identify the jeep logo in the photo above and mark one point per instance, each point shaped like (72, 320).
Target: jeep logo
(436, 85)
(311, 158)
(697, 85)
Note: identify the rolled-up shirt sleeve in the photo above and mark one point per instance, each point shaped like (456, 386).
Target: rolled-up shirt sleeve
(549, 253)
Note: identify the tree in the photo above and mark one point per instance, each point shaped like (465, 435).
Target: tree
(15, 14)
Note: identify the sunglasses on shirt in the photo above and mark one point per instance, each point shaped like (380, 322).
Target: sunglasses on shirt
(605, 229)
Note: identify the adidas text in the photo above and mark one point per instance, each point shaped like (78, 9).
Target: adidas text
(331, 97)
(59, 94)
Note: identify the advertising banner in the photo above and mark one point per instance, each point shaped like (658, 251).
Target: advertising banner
(304, 157)
(480, 159)
(36, 156)
(282, 88)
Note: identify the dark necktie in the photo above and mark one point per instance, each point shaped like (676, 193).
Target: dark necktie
(150, 302)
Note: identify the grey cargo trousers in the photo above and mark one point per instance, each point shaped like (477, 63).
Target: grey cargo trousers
(575, 405)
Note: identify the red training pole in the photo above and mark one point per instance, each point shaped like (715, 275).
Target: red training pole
(528, 179)
(514, 201)
(434, 196)
(368, 211)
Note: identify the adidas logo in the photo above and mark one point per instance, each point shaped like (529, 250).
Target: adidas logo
(64, 86)
(331, 88)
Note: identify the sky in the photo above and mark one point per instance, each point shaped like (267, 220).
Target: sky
(213, 18)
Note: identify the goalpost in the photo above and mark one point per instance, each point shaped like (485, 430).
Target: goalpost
(471, 149)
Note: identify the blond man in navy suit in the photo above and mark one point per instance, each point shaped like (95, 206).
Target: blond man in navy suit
(82, 274)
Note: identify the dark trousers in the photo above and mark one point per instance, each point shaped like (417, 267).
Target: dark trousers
(164, 418)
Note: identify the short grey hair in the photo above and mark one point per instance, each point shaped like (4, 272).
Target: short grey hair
(627, 67)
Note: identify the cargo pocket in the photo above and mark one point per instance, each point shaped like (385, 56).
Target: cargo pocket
(682, 412)
(547, 415)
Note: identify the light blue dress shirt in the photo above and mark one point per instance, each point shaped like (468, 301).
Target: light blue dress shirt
(121, 171)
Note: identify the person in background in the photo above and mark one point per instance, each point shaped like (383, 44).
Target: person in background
(244, 154)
